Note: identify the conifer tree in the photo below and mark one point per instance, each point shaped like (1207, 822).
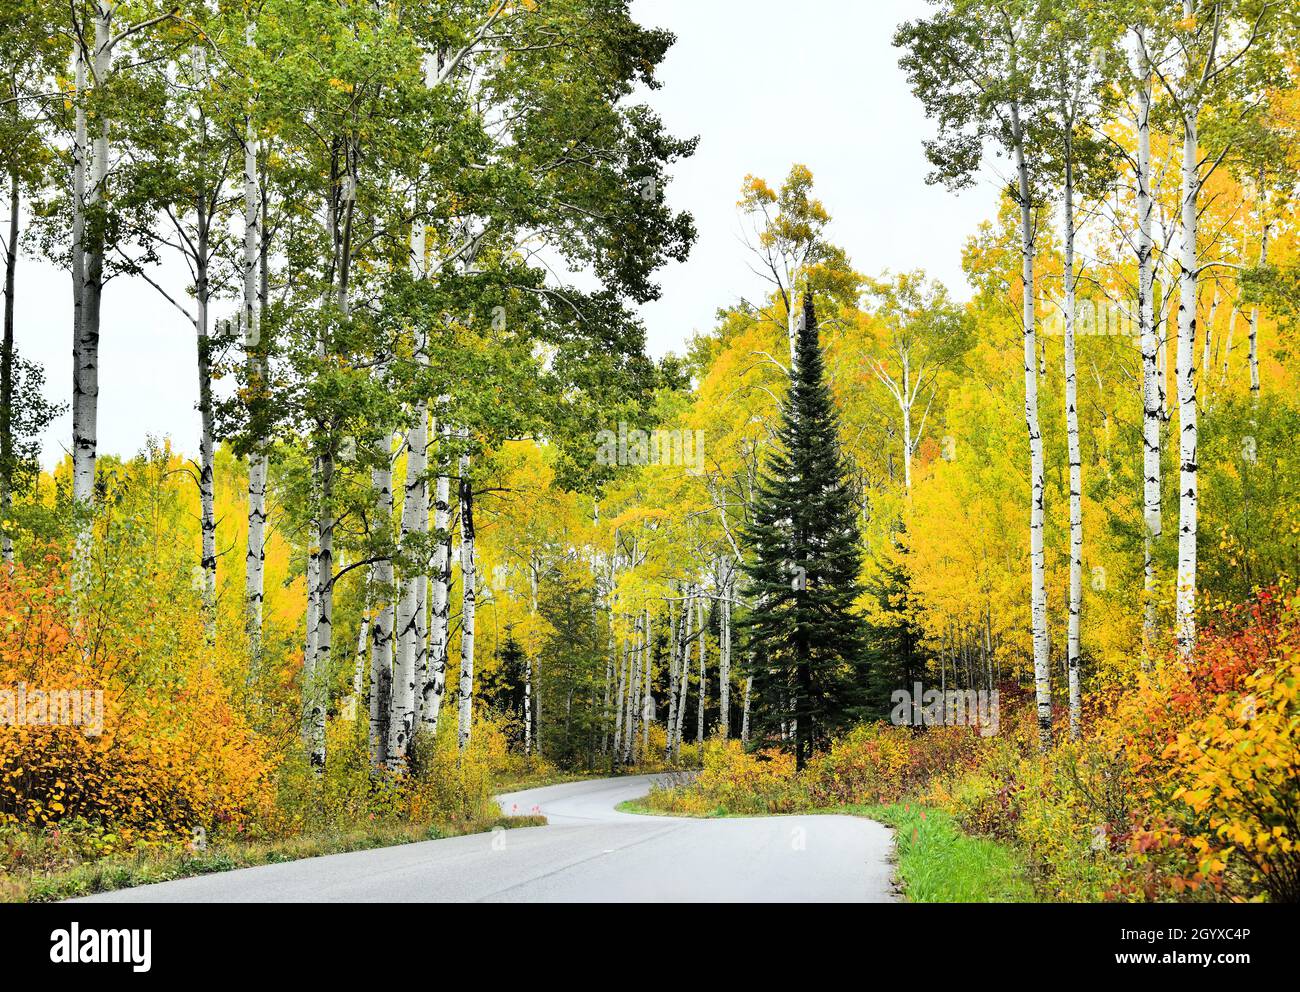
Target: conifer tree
(805, 636)
(895, 656)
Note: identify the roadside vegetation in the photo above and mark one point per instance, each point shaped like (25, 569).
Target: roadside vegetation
(1183, 787)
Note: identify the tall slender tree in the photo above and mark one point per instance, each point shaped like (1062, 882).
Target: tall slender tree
(804, 632)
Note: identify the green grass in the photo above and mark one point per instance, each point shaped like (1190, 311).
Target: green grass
(147, 867)
(939, 863)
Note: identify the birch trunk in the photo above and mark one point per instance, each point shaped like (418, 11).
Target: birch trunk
(466, 711)
(410, 641)
(87, 271)
(313, 634)
(325, 615)
(704, 680)
(647, 699)
(744, 719)
(381, 629)
(1254, 324)
(688, 619)
(1152, 387)
(724, 655)
(440, 602)
(255, 556)
(611, 690)
(633, 694)
(1038, 596)
(1185, 373)
(619, 704)
(671, 723)
(410, 672)
(359, 663)
(1076, 462)
(207, 494)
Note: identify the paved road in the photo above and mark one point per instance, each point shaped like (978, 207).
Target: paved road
(588, 853)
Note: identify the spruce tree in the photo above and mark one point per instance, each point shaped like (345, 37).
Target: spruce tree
(805, 638)
(895, 658)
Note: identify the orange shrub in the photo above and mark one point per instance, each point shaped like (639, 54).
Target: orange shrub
(881, 763)
(173, 753)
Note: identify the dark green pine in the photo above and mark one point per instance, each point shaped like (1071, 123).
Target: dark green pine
(805, 637)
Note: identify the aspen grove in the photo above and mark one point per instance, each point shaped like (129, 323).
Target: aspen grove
(448, 525)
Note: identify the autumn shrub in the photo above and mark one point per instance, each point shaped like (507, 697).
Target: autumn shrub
(734, 781)
(173, 752)
(454, 785)
(882, 763)
(1185, 785)
(1238, 775)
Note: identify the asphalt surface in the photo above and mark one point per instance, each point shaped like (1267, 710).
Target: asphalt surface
(589, 852)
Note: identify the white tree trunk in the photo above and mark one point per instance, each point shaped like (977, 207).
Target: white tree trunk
(467, 573)
(362, 656)
(255, 556)
(410, 642)
(671, 725)
(744, 720)
(1152, 385)
(207, 492)
(313, 634)
(440, 602)
(683, 689)
(1038, 595)
(704, 678)
(724, 651)
(647, 697)
(410, 671)
(88, 269)
(1254, 323)
(325, 615)
(633, 694)
(620, 704)
(381, 630)
(1185, 374)
(1076, 464)
(905, 408)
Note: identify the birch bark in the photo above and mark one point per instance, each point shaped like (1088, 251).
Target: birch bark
(440, 600)
(381, 631)
(1185, 374)
(1076, 460)
(1038, 594)
(255, 555)
(1254, 322)
(466, 709)
(704, 681)
(1152, 386)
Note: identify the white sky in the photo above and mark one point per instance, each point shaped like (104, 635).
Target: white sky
(763, 83)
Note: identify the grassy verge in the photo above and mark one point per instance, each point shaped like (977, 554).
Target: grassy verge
(147, 867)
(937, 862)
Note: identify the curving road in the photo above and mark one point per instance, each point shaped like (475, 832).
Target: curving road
(589, 852)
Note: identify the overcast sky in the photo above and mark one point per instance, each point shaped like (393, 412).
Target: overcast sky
(763, 83)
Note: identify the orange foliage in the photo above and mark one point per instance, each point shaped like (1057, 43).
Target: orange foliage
(169, 759)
